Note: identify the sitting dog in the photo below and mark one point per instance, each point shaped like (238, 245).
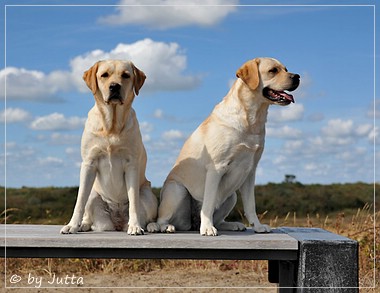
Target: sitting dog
(114, 193)
(222, 154)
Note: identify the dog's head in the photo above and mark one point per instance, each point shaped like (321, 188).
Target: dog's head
(270, 78)
(114, 80)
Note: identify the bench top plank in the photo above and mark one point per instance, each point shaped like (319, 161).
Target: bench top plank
(48, 236)
(45, 241)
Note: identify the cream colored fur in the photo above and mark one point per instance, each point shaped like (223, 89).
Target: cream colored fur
(114, 193)
(222, 154)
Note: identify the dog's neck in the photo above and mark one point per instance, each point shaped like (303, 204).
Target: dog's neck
(113, 116)
(246, 107)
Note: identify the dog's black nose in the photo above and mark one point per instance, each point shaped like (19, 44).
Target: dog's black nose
(114, 87)
(295, 76)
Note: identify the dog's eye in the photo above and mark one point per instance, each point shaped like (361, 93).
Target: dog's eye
(105, 74)
(273, 70)
(125, 75)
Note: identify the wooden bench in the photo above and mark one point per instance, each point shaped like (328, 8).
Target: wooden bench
(300, 259)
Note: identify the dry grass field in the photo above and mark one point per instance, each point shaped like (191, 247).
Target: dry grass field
(99, 275)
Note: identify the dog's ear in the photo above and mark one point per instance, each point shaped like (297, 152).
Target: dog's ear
(249, 73)
(90, 78)
(139, 79)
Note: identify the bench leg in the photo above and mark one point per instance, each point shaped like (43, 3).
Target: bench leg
(328, 265)
(326, 262)
(284, 273)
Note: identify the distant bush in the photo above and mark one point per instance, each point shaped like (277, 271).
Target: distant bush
(48, 205)
(54, 205)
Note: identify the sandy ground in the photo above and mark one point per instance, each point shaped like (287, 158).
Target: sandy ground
(165, 280)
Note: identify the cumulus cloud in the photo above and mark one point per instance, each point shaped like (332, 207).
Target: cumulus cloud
(163, 63)
(293, 112)
(57, 121)
(14, 115)
(146, 128)
(161, 115)
(374, 135)
(173, 135)
(283, 132)
(165, 14)
(57, 138)
(339, 128)
(51, 161)
(24, 84)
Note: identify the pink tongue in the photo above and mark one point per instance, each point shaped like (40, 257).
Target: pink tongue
(287, 96)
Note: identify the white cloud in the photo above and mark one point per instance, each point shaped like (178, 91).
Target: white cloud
(70, 150)
(146, 128)
(293, 112)
(374, 135)
(24, 84)
(158, 113)
(283, 132)
(165, 14)
(14, 115)
(173, 135)
(163, 63)
(338, 128)
(51, 161)
(57, 121)
(161, 115)
(57, 138)
(293, 146)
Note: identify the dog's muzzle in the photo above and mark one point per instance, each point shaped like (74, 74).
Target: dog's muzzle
(282, 97)
(114, 96)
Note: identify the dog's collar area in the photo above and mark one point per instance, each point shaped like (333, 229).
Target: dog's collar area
(280, 97)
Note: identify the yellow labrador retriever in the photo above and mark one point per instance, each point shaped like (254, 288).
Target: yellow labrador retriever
(114, 193)
(222, 154)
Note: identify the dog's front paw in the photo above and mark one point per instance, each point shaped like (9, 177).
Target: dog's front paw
(167, 228)
(135, 230)
(239, 226)
(70, 229)
(231, 226)
(262, 228)
(153, 227)
(208, 231)
(85, 227)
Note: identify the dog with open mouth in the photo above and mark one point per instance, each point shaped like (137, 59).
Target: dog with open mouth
(221, 156)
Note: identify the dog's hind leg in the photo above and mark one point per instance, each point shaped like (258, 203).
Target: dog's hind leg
(174, 212)
(223, 211)
(96, 216)
(148, 205)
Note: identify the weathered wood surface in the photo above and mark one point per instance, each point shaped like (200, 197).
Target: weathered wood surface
(49, 236)
(46, 241)
(301, 259)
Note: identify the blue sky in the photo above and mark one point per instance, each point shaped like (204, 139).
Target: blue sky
(190, 55)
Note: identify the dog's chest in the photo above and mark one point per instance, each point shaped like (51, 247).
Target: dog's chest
(112, 164)
(241, 163)
(110, 179)
(238, 167)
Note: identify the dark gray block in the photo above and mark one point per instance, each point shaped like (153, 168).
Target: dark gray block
(326, 261)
